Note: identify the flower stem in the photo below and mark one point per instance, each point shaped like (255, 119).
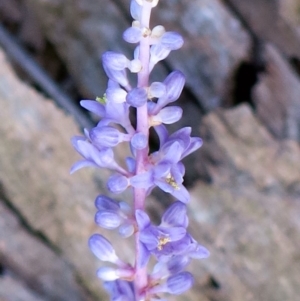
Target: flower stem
(140, 281)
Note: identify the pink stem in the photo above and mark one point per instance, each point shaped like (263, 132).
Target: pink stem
(141, 279)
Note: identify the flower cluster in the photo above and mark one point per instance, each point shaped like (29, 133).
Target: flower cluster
(169, 243)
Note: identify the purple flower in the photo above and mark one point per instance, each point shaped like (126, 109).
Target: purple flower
(114, 60)
(137, 97)
(115, 110)
(155, 239)
(114, 93)
(157, 89)
(169, 242)
(103, 202)
(176, 284)
(131, 164)
(108, 219)
(120, 290)
(167, 174)
(139, 141)
(170, 237)
(175, 215)
(174, 84)
(188, 144)
(114, 65)
(117, 183)
(171, 40)
(169, 266)
(94, 157)
(135, 10)
(188, 247)
(112, 214)
(166, 115)
(179, 283)
(103, 249)
(133, 34)
(157, 53)
(107, 136)
(94, 107)
(163, 45)
(117, 113)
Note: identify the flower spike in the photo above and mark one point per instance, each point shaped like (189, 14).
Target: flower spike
(169, 243)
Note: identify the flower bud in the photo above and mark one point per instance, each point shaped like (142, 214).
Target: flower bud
(158, 52)
(175, 215)
(94, 157)
(132, 35)
(103, 202)
(125, 208)
(102, 248)
(116, 94)
(120, 290)
(106, 136)
(106, 159)
(169, 266)
(114, 60)
(137, 97)
(110, 273)
(131, 164)
(139, 141)
(171, 40)
(167, 115)
(135, 10)
(108, 219)
(118, 76)
(135, 66)
(157, 90)
(152, 108)
(174, 82)
(175, 285)
(114, 65)
(157, 32)
(126, 230)
(117, 183)
(180, 283)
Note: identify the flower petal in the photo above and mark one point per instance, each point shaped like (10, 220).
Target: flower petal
(175, 215)
(102, 248)
(180, 283)
(142, 219)
(103, 202)
(143, 180)
(81, 164)
(108, 219)
(94, 107)
(117, 183)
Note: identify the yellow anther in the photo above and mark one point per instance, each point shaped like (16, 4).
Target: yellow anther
(171, 181)
(102, 99)
(162, 241)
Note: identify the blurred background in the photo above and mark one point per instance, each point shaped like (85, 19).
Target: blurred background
(242, 96)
